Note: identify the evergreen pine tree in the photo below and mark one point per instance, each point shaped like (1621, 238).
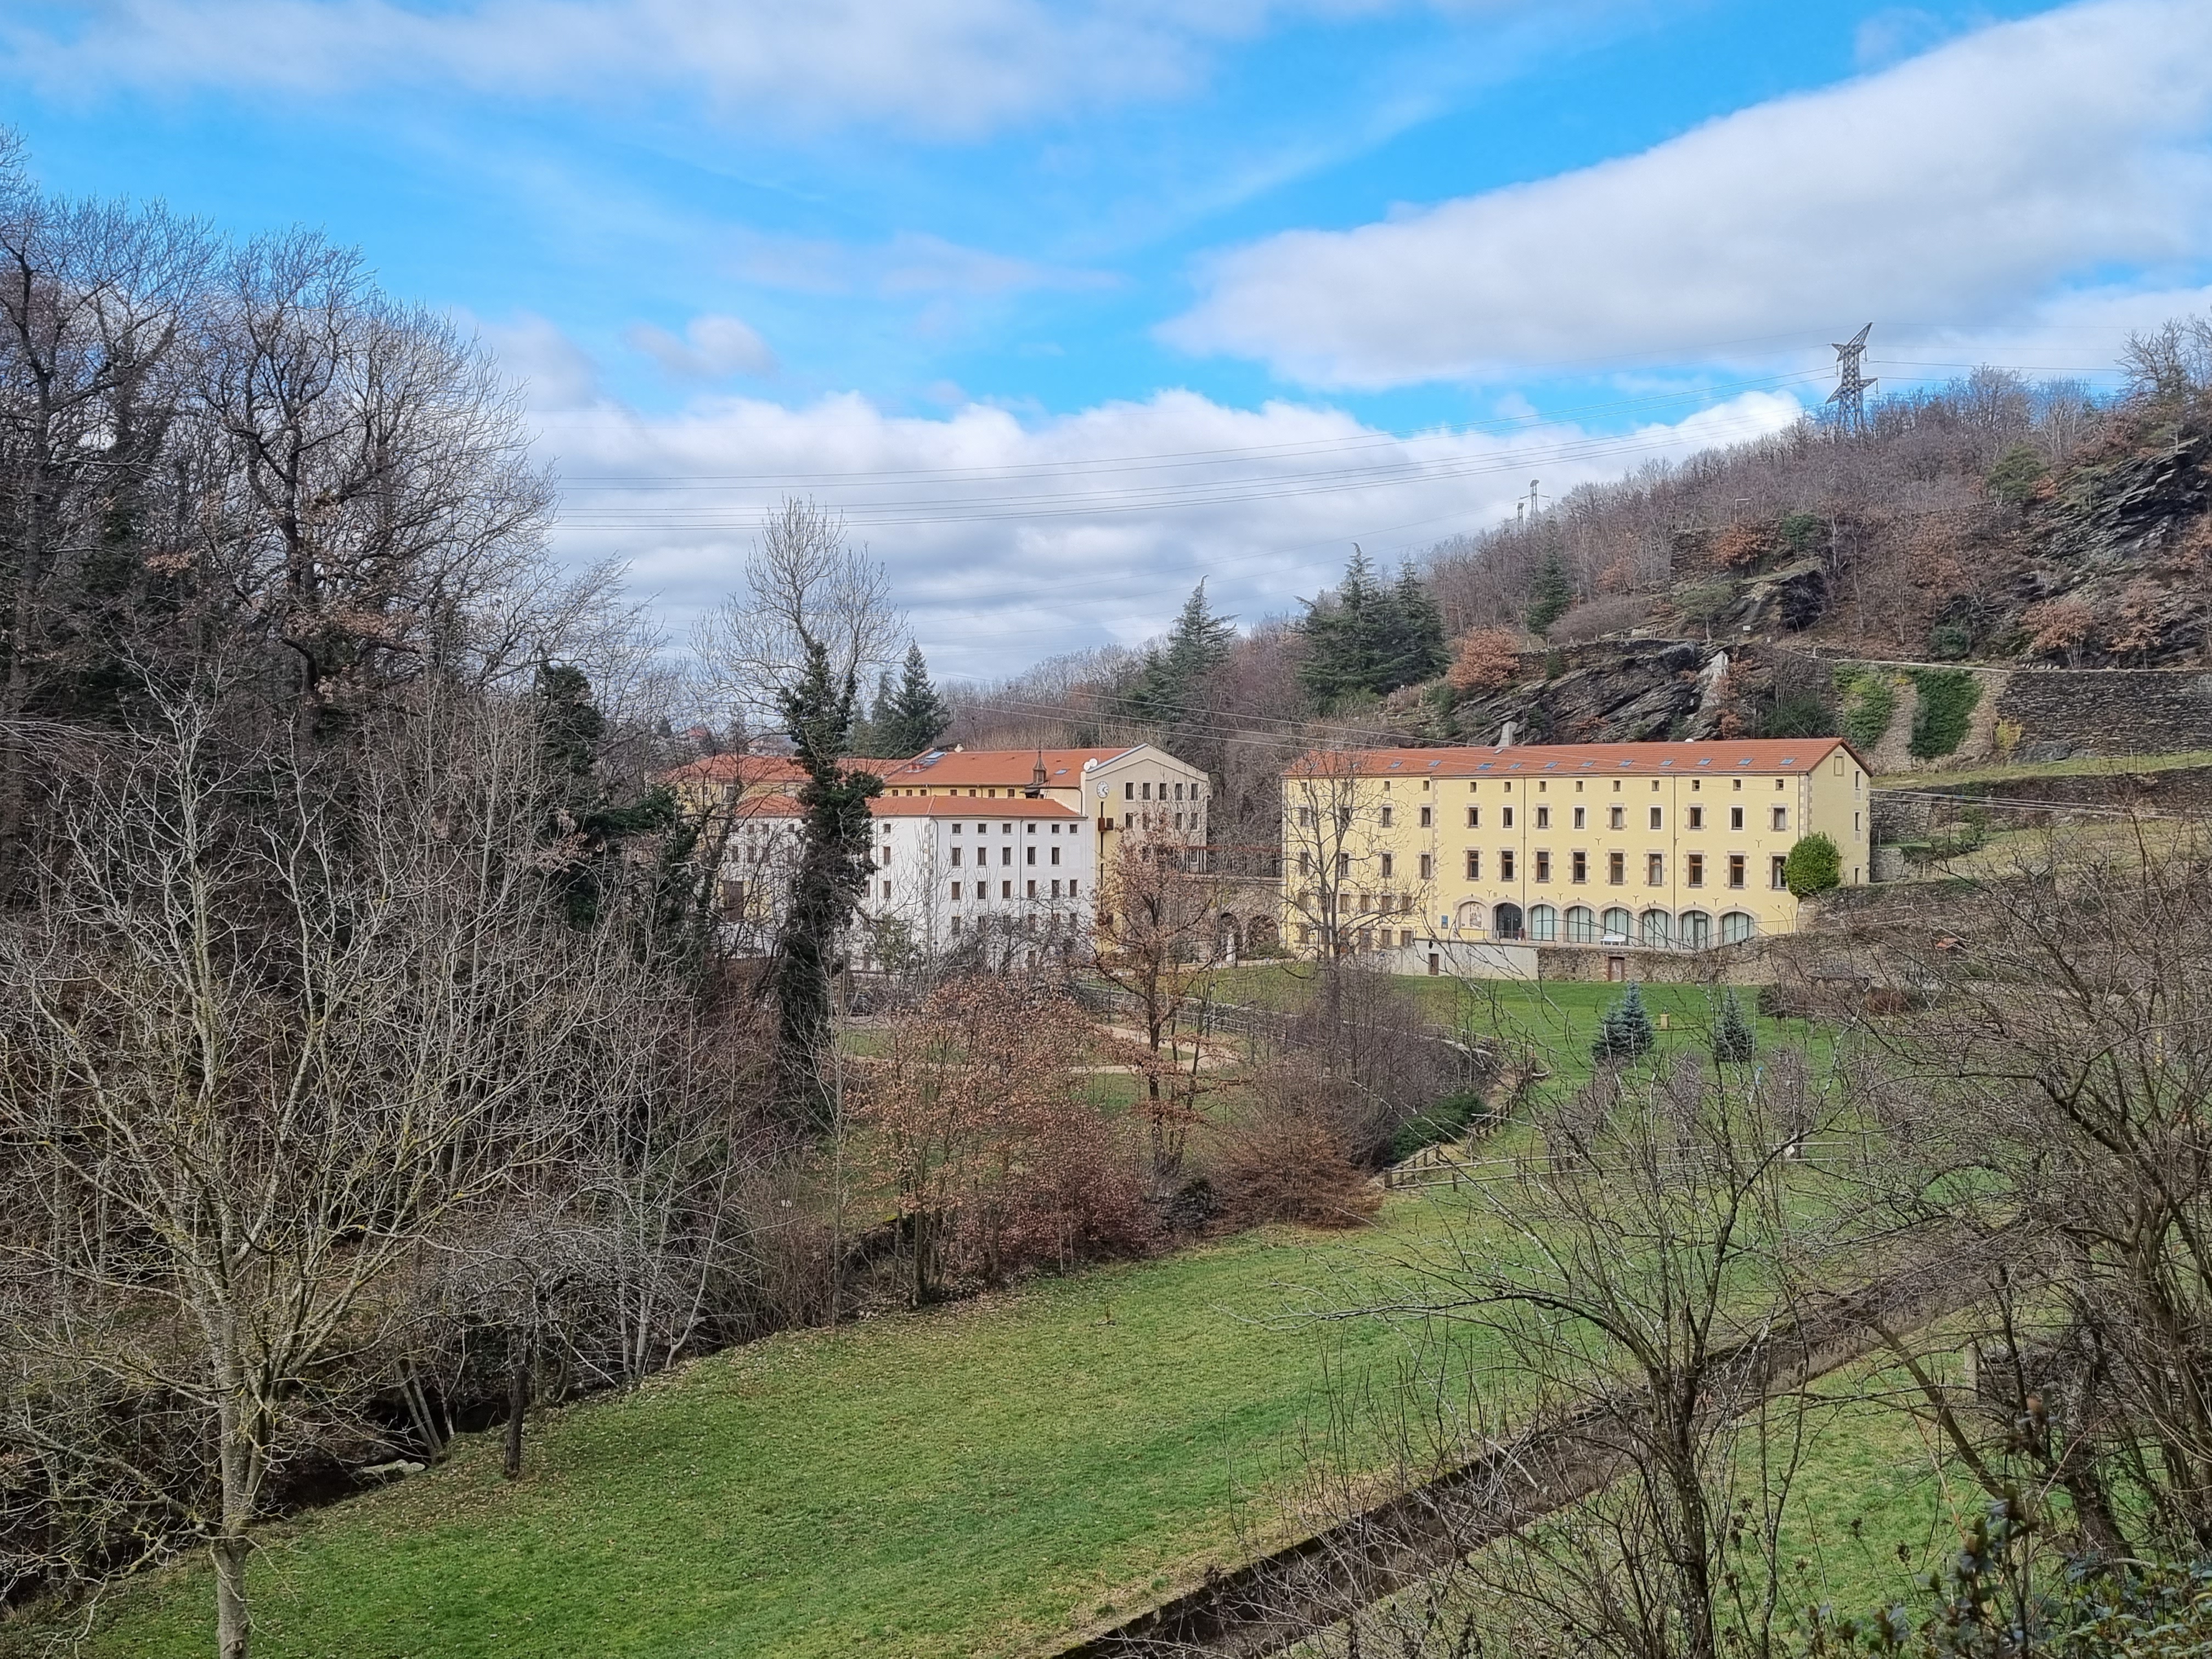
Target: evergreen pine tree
(1733, 1043)
(1550, 595)
(1347, 634)
(1625, 1033)
(909, 716)
(1198, 643)
(1417, 626)
(871, 733)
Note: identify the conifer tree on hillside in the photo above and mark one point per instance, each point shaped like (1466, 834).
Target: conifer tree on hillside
(871, 732)
(1551, 595)
(910, 716)
(1422, 653)
(1367, 637)
(1170, 679)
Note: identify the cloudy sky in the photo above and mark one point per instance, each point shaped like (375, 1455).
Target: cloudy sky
(1068, 303)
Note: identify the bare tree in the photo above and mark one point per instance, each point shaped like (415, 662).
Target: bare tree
(815, 616)
(1345, 890)
(251, 1055)
(1155, 944)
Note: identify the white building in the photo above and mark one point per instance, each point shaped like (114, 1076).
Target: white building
(1012, 877)
(1017, 874)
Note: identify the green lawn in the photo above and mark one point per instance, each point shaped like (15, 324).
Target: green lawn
(972, 1481)
(978, 1479)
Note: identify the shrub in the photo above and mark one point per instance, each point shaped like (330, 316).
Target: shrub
(1733, 1041)
(1447, 1120)
(1947, 699)
(1286, 1162)
(1801, 531)
(1815, 865)
(1740, 546)
(1625, 1033)
(1600, 617)
(2017, 473)
(1483, 659)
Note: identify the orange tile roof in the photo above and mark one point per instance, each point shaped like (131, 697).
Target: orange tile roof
(946, 767)
(961, 806)
(751, 770)
(1766, 755)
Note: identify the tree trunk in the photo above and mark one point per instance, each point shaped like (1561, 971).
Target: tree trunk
(232, 1626)
(517, 1399)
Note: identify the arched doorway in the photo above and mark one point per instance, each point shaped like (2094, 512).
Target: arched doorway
(1616, 926)
(1581, 924)
(1697, 930)
(1543, 923)
(1656, 928)
(1505, 921)
(1224, 938)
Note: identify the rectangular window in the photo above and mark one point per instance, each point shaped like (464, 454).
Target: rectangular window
(1655, 819)
(1474, 866)
(1474, 818)
(887, 890)
(1428, 816)
(1543, 817)
(1693, 872)
(1070, 887)
(1055, 855)
(1543, 866)
(1178, 792)
(956, 890)
(1697, 818)
(1736, 869)
(1616, 817)
(1344, 863)
(1428, 867)
(1735, 817)
(1578, 866)
(1032, 887)
(956, 858)
(1616, 868)
(1505, 866)
(1654, 869)
(1005, 890)
(1386, 816)
(1056, 889)
(1145, 791)
(1032, 851)
(1781, 818)
(1390, 864)
(1305, 818)
(1305, 864)
(1775, 879)
(1006, 854)
(1582, 817)
(1509, 817)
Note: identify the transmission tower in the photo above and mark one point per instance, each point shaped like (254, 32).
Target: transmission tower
(1851, 386)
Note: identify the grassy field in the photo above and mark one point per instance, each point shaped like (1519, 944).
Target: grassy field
(974, 1480)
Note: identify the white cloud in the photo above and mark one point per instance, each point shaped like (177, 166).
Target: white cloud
(553, 371)
(1969, 186)
(1011, 541)
(953, 67)
(712, 349)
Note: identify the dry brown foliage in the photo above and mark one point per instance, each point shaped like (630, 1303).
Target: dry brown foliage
(1741, 546)
(1484, 659)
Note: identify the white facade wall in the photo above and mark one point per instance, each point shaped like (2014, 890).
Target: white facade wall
(1022, 877)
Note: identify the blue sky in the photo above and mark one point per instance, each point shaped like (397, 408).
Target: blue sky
(1327, 269)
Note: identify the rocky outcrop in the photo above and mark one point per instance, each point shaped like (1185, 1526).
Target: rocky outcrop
(1615, 691)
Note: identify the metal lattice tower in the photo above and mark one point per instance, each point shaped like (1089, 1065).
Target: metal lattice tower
(1851, 386)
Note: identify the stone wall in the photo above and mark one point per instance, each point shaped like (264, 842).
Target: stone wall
(1903, 815)
(2061, 712)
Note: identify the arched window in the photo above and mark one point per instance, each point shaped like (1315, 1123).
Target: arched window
(1505, 921)
(1616, 926)
(1656, 928)
(1470, 918)
(1582, 925)
(1736, 927)
(1697, 930)
(1543, 923)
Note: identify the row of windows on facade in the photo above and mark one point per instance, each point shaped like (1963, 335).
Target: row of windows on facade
(1579, 925)
(982, 856)
(1144, 791)
(979, 891)
(1616, 867)
(1616, 817)
(1054, 923)
(1129, 820)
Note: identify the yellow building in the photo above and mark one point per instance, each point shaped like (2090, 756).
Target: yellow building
(1628, 845)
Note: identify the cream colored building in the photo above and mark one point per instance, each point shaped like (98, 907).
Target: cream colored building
(1114, 789)
(1468, 856)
